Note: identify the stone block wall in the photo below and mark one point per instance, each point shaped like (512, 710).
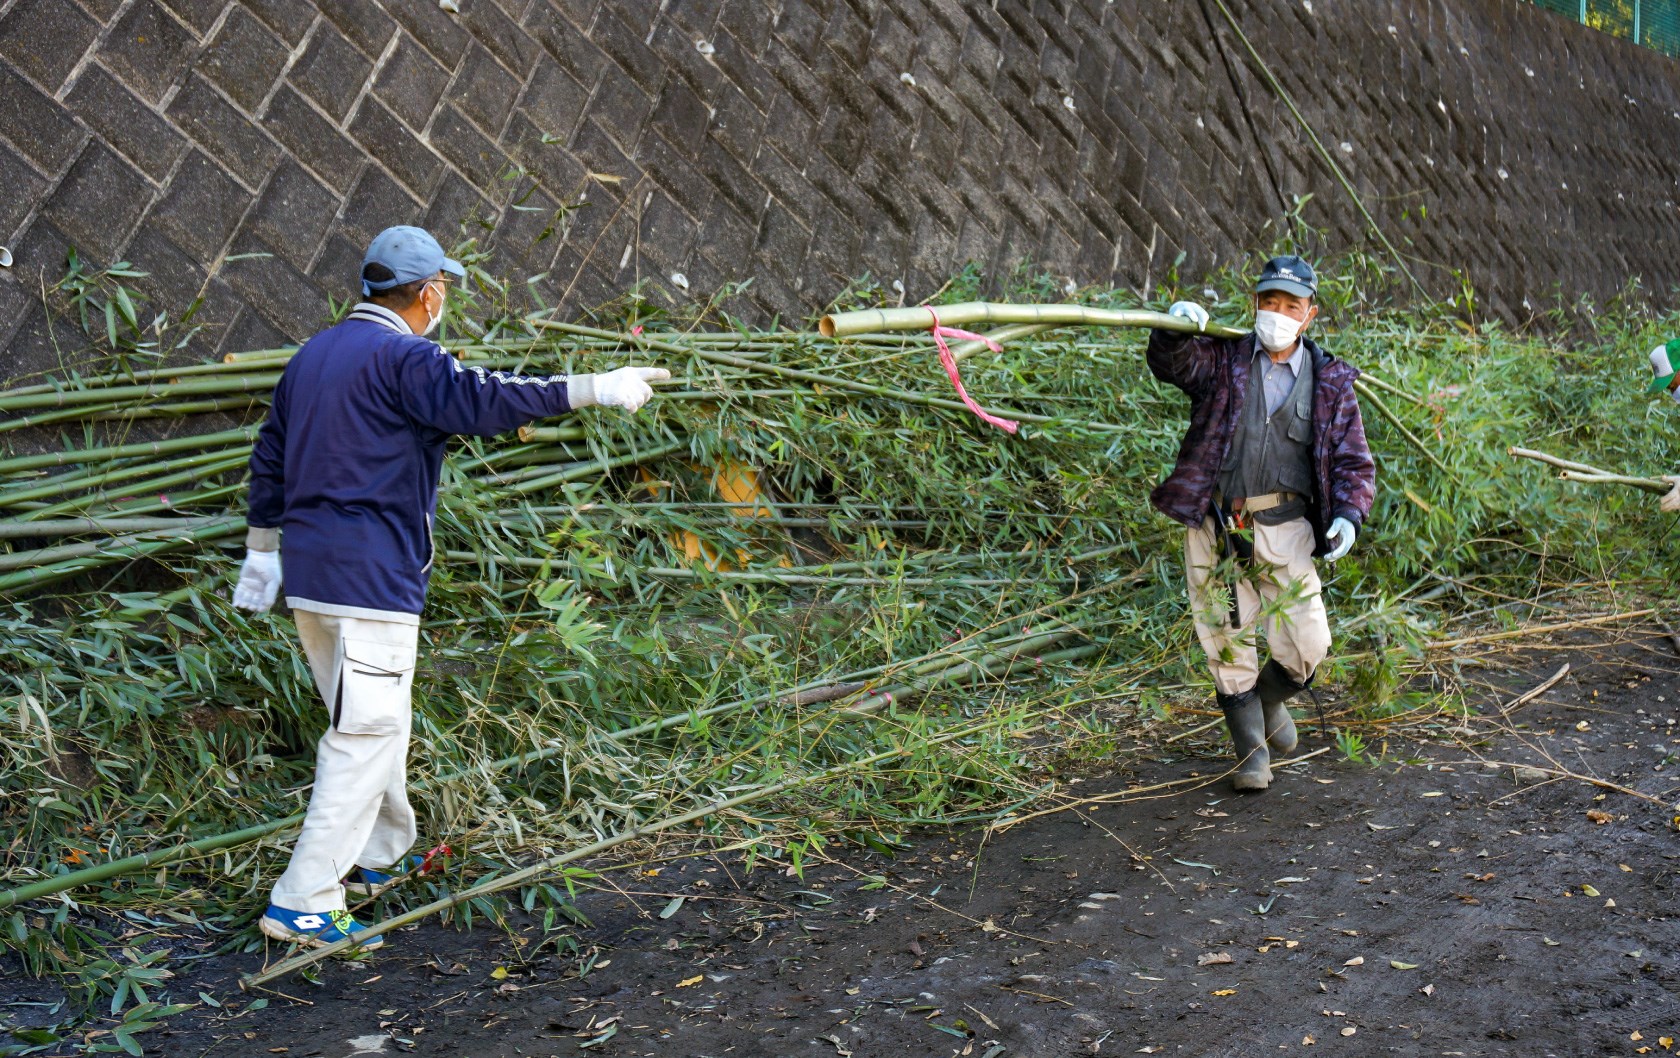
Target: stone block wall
(244, 151)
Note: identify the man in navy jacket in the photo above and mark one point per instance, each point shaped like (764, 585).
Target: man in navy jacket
(346, 471)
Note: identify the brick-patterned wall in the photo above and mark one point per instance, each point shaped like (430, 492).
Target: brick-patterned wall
(247, 149)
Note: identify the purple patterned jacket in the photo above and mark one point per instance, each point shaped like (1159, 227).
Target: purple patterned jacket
(1213, 372)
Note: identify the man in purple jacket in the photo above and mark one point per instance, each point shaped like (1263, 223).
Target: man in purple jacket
(344, 481)
(1273, 471)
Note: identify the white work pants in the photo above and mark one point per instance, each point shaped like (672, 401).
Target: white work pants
(358, 810)
(1299, 637)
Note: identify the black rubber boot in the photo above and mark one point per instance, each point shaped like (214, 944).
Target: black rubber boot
(1275, 688)
(1244, 719)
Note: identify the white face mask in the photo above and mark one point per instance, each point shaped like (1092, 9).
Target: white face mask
(1276, 331)
(431, 320)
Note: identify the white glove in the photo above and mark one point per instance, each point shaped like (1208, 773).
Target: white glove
(1343, 533)
(259, 581)
(628, 387)
(1671, 499)
(1191, 311)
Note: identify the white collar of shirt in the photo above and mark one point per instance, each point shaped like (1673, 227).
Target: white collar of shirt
(372, 313)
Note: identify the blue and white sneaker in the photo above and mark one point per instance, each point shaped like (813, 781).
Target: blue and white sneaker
(367, 882)
(315, 929)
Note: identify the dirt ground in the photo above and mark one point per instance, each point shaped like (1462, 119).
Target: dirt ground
(1425, 905)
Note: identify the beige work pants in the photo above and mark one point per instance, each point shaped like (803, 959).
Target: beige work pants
(1299, 636)
(359, 813)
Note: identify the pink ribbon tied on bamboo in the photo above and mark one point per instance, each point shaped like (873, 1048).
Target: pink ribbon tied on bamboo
(942, 332)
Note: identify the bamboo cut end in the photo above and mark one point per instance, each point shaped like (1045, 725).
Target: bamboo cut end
(826, 326)
(527, 433)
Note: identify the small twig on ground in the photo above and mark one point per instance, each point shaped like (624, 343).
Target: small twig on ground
(1529, 696)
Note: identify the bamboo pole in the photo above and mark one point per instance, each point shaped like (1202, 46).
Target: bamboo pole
(115, 394)
(537, 870)
(214, 842)
(828, 380)
(92, 479)
(921, 318)
(1394, 420)
(1561, 464)
(98, 526)
(196, 472)
(41, 575)
(1648, 484)
(73, 456)
(113, 549)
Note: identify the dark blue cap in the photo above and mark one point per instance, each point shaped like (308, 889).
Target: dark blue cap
(1289, 274)
(409, 254)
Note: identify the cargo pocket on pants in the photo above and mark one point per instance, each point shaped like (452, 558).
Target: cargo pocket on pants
(373, 688)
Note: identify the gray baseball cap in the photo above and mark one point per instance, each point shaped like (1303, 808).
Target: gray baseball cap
(409, 254)
(1289, 274)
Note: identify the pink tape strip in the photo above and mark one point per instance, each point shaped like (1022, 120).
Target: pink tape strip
(940, 333)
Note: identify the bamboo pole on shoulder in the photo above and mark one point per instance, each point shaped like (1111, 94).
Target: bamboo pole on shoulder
(921, 318)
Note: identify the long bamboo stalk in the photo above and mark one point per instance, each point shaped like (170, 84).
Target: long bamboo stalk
(196, 471)
(1394, 420)
(838, 383)
(1561, 464)
(74, 456)
(921, 318)
(38, 576)
(132, 412)
(214, 842)
(537, 870)
(92, 479)
(98, 526)
(599, 467)
(117, 394)
(1647, 484)
(116, 549)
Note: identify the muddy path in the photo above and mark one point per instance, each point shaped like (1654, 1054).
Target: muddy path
(1424, 905)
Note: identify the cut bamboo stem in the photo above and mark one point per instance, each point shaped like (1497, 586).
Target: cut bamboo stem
(214, 842)
(1647, 484)
(547, 866)
(117, 549)
(75, 456)
(828, 380)
(98, 526)
(921, 318)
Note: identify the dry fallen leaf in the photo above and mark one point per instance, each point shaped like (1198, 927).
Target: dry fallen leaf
(1625, 868)
(1427, 990)
(1214, 958)
(1398, 965)
(1589, 890)
(696, 979)
(1349, 1031)
(1307, 1040)
(1225, 992)
(1636, 1036)
(1357, 960)
(1666, 1041)
(499, 974)
(1599, 817)
(1550, 943)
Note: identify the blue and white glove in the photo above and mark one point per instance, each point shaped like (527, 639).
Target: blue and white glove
(1343, 533)
(1191, 311)
(259, 581)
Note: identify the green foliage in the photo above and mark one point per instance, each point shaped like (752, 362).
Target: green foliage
(131, 718)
